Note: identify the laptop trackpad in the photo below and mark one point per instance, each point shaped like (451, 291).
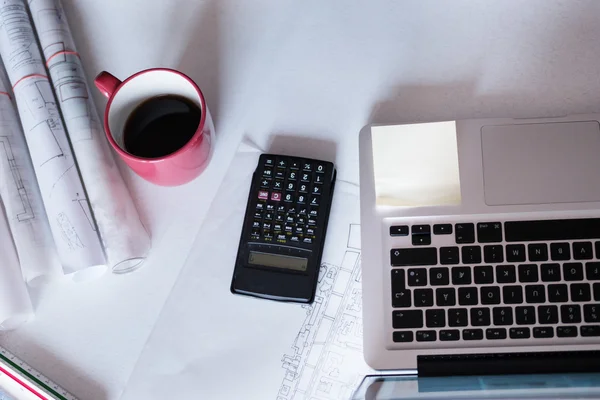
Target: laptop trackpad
(541, 163)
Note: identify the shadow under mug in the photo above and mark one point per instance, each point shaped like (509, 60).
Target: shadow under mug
(175, 168)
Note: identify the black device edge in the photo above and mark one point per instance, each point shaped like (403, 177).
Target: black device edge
(508, 363)
(321, 244)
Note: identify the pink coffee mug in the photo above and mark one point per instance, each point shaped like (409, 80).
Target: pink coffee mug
(176, 168)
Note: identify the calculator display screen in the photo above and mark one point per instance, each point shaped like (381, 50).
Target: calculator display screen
(277, 261)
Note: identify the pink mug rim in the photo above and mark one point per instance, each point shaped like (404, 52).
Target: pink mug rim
(184, 148)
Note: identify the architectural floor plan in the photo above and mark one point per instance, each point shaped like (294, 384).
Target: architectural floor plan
(326, 361)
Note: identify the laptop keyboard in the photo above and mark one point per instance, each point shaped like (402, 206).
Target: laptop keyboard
(508, 282)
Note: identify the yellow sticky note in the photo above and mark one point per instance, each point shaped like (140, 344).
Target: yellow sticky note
(416, 165)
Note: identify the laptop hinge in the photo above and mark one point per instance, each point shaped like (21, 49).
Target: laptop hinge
(508, 363)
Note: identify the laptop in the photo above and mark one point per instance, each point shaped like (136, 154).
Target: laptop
(481, 247)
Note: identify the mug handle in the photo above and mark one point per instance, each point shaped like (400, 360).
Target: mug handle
(107, 83)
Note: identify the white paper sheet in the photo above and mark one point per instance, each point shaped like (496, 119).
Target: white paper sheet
(65, 201)
(211, 344)
(125, 240)
(15, 305)
(22, 199)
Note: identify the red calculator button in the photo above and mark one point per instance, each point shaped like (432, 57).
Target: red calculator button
(276, 196)
(263, 195)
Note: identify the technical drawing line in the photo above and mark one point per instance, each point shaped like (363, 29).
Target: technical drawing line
(61, 176)
(85, 206)
(27, 77)
(58, 53)
(27, 212)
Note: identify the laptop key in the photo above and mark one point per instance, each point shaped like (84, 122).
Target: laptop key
(558, 293)
(592, 271)
(403, 336)
(442, 229)
(399, 230)
(503, 316)
(417, 277)
(560, 251)
(548, 314)
(570, 314)
(465, 233)
(591, 313)
(495, 333)
(506, 274)
(566, 331)
(467, 296)
(400, 295)
(439, 276)
(480, 317)
(580, 292)
(421, 239)
(413, 256)
(449, 255)
(525, 315)
(558, 229)
(489, 232)
(401, 298)
(515, 252)
(448, 335)
(528, 273)
(472, 334)
(420, 229)
(471, 254)
(573, 271)
(423, 297)
(589, 330)
(435, 318)
(406, 319)
(461, 276)
(597, 245)
(490, 295)
(537, 251)
(550, 272)
(582, 251)
(493, 254)
(596, 288)
(445, 297)
(457, 317)
(519, 333)
(512, 294)
(426, 336)
(535, 294)
(483, 274)
(541, 332)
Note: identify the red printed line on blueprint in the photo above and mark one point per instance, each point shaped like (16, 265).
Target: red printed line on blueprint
(29, 76)
(59, 53)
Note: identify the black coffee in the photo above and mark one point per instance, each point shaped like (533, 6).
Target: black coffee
(160, 126)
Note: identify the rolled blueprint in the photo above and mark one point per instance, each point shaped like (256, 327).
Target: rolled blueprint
(65, 200)
(22, 199)
(125, 240)
(15, 305)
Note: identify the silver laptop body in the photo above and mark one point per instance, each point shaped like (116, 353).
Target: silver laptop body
(537, 181)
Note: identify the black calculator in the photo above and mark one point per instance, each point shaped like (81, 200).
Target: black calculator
(284, 229)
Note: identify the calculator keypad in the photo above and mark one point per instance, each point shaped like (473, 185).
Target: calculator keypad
(288, 200)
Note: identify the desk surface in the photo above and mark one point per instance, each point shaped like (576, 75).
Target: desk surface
(270, 70)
